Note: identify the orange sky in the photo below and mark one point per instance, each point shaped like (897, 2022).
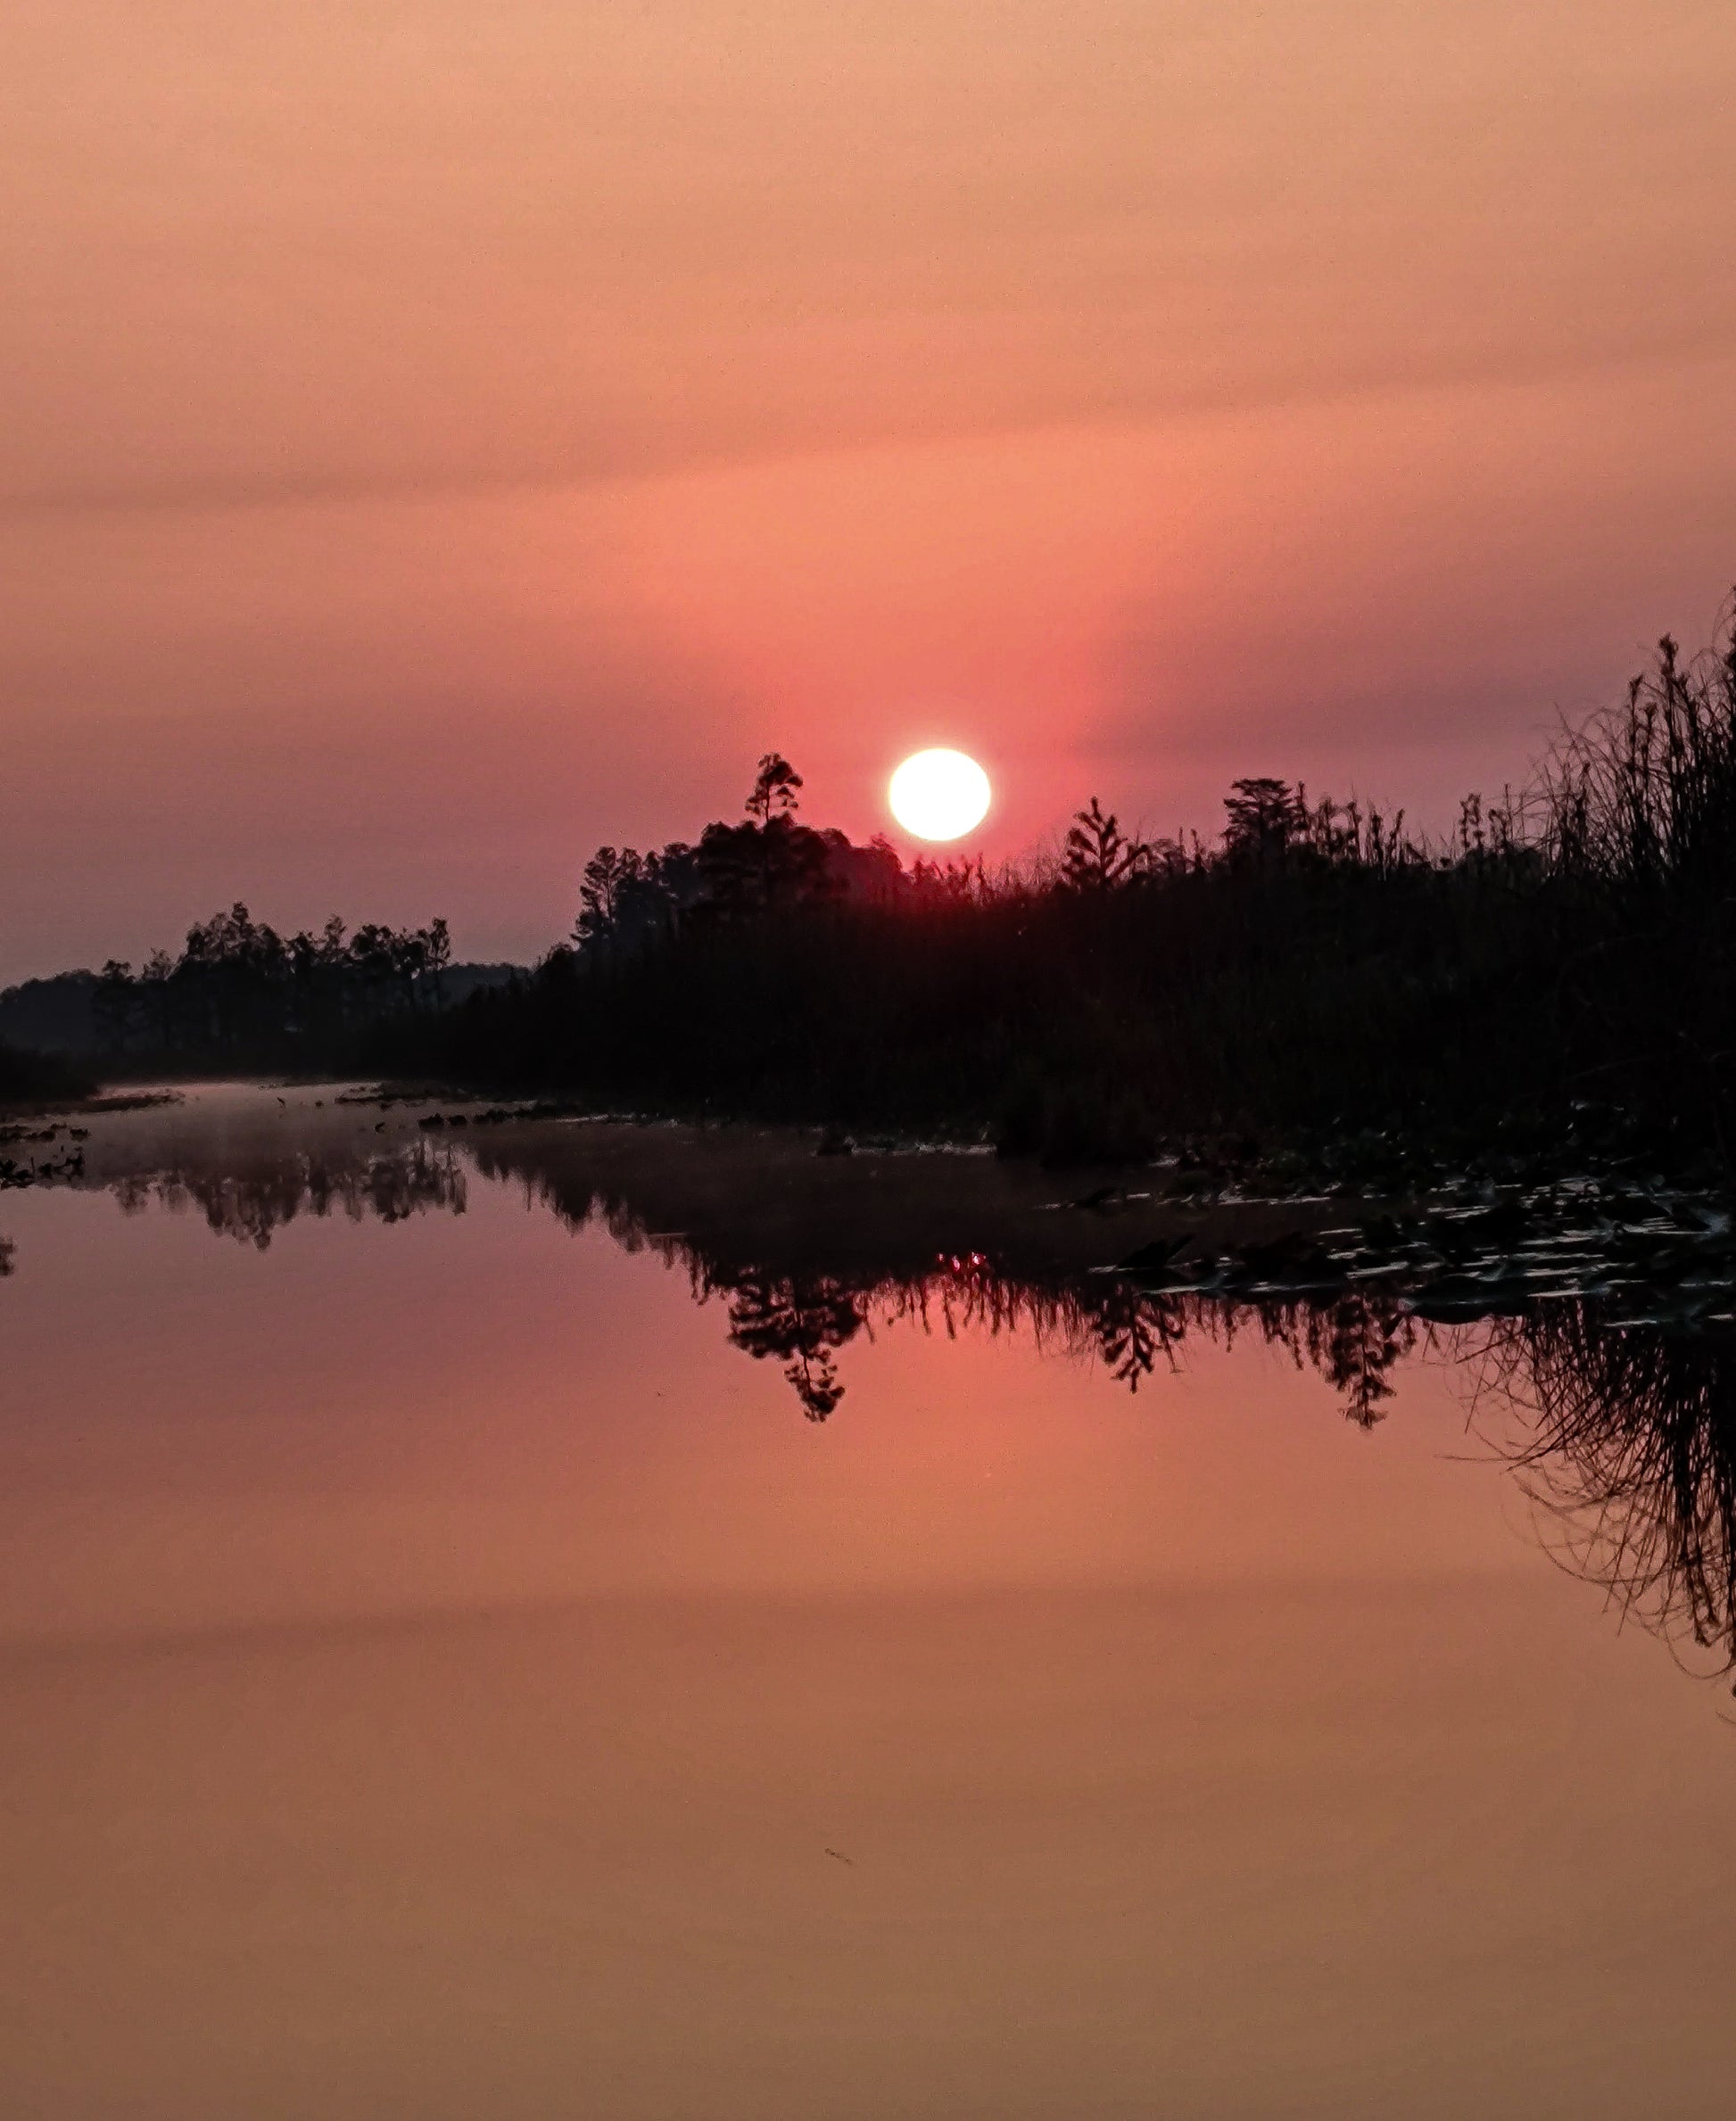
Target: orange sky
(441, 436)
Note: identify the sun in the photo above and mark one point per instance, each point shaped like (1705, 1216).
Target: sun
(939, 794)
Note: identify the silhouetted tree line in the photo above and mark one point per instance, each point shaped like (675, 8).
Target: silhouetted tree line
(241, 994)
(28, 1077)
(1565, 965)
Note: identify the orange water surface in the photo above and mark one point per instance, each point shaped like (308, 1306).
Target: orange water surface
(441, 1676)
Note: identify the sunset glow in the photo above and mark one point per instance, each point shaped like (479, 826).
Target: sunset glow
(939, 794)
(867, 1037)
(536, 412)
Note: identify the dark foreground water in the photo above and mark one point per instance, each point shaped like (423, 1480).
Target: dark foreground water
(549, 1620)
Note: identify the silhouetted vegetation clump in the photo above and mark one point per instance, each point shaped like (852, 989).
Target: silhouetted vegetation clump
(1560, 970)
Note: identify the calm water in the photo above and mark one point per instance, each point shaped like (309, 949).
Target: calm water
(555, 1620)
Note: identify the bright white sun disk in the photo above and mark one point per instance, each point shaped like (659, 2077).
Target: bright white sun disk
(939, 794)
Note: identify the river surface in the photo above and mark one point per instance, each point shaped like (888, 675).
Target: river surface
(549, 1620)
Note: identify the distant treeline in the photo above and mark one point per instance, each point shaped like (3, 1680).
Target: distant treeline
(28, 1077)
(1565, 965)
(240, 995)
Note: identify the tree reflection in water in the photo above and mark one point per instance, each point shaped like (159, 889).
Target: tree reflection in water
(1624, 1433)
(1627, 1440)
(1354, 1342)
(802, 1320)
(252, 1203)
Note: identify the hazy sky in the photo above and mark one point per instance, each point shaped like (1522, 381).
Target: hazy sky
(443, 436)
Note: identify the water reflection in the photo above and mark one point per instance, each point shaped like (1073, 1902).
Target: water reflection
(1353, 1342)
(798, 1320)
(1624, 1433)
(252, 1204)
(1628, 1442)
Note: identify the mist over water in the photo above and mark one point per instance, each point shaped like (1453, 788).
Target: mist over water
(540, 1615)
